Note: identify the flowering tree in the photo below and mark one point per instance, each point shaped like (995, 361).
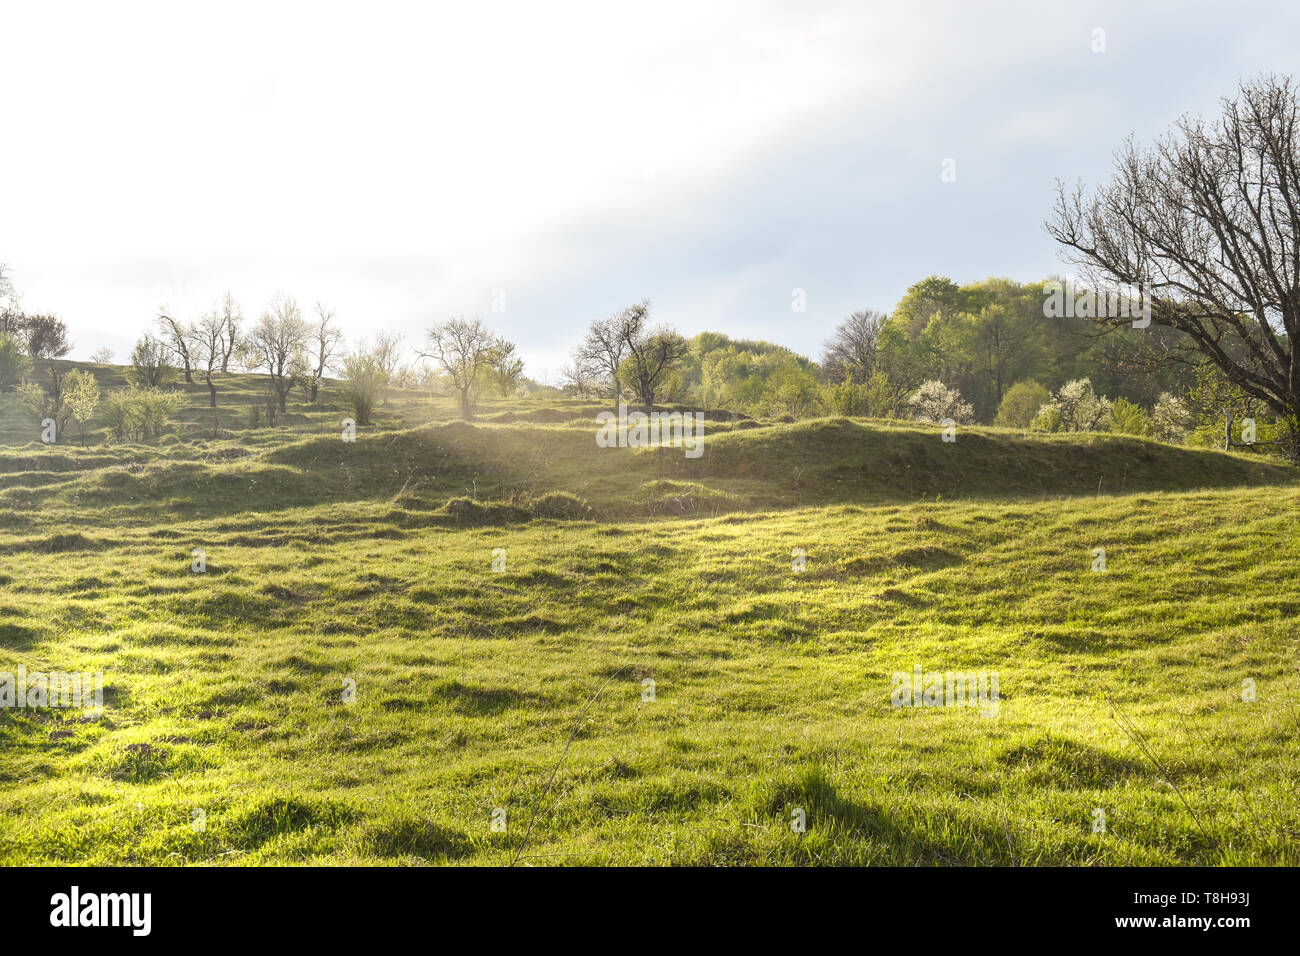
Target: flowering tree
(935, 402)
(1075, 408)
(1172, 419)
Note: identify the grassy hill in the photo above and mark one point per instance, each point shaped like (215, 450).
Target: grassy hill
(373, 563)
(517, 452)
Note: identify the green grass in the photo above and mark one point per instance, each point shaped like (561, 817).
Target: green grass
(372, 562)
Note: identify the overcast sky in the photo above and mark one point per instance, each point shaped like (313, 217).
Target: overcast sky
(562, 160)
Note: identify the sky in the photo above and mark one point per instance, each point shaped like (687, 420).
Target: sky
(543, 165)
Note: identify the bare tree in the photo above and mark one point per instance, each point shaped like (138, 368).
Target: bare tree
(651, 353)
(176, 336)
(464, 350)
(208, 349)
(12, 320)
(598, 357)
(8, 294)
(388, 352)
(233, 318)
(851, 351)
(1209, 221)
(276, 345)
(325, 341)
(579, 380)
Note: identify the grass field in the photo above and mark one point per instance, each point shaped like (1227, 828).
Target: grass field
(649, 679)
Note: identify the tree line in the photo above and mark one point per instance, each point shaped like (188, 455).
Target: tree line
(978, 353)
(286, 347)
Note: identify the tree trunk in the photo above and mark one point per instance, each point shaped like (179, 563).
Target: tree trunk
(1291, 436)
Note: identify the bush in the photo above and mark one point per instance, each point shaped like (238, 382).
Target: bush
(1129, 418)
(845, 398)
(1171, 419)
(14, 364)
(1075, 408)
(1020, 405)
(81, 395)
(41, 403)
(150, 367)
(364, 379)
(875, 398)
(1048, 419)
(561, 504)
(935, 402)
(139, 414)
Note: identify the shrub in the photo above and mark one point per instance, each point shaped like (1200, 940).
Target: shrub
(561, 504)
(884, 400)
(1075, 408)
(364, 379)
(875, 398)
(845, 398)
(150, 366)
(41, 403)
(1048, 419)
(935, 402)
(139, 414)
(1020, 404)
(1129, 418)
(81, 395)
(14, 364)
(1171, 419)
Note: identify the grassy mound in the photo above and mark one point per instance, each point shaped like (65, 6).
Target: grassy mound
(820, 462)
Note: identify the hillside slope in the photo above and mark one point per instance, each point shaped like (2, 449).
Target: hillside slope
(744, 467)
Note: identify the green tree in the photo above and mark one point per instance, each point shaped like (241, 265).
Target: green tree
(506, 369)
(81, 395)
(935, 295)
(846, 398)
(792, 390)
(149, 366)
(1020, 405)
(14, 364)
(44, 405)
(1129, 418)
